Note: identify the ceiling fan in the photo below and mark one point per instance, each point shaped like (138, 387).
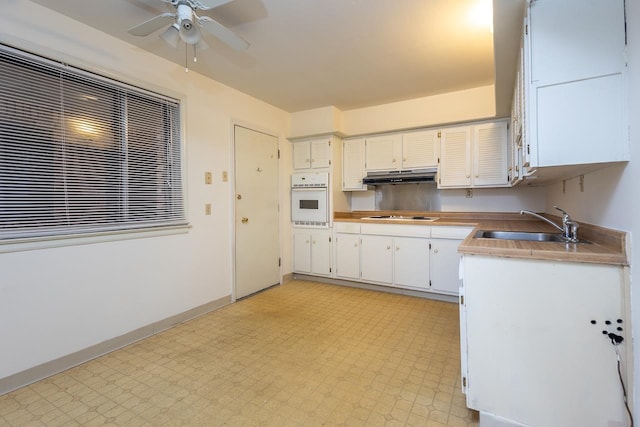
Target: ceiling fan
(184, 25)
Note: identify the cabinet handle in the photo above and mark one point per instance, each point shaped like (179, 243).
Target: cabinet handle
(435, 251)
(314, 242)
(397, 248)
(388, 247)
(404, 159)
(393, 160)
(355, 245)
(468, 176)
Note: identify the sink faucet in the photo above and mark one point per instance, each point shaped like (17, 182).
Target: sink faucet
(569, 227)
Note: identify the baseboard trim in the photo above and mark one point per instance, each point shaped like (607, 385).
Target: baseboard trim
(47, 369)
(373, 287)
(287, 278)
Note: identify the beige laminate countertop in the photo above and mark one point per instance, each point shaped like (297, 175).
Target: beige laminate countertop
(606, 246)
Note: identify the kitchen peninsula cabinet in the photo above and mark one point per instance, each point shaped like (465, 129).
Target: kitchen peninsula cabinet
(312, 251)
(528, 341)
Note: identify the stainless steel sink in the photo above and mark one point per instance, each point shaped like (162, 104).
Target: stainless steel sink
(521, 235)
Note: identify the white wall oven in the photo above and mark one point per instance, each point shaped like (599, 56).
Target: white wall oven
(310, 199)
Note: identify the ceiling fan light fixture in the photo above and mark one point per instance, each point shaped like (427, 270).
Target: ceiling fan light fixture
(172, 35)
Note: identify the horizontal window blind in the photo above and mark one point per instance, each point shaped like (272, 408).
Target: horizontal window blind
(83, 154)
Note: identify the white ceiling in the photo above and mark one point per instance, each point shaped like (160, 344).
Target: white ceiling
(307, 54)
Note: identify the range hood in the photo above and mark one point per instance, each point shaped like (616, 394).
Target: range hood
(401, 177)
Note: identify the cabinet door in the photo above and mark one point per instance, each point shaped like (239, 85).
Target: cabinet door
(377, 259)
(411, 263)
(348, 256)
(573, 40)
(301, 251)
(420, 149)
(490, 155)
(445, 261)
(320, 153)
(301, 155)
(353, 165)
(383, 152)
(455, 157)
(321, 253)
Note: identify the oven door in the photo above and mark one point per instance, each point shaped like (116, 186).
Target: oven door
(309, 207)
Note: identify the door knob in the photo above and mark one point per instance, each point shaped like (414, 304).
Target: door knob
(245, 220)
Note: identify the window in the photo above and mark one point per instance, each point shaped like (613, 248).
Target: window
(82, 154)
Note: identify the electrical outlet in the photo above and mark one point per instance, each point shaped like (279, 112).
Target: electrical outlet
(208, 178)
(468, 193)
(225, 176)
(207, 209)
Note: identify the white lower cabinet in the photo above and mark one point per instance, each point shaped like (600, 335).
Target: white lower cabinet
(402, 256)
(312, 252)
(445, 261)
(377, 259)
(411, 263)
(347, 256)
(533, 350)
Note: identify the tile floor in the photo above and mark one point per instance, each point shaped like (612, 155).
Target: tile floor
(300, 354)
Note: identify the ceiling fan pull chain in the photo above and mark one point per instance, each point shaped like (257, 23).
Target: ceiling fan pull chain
(186, 58)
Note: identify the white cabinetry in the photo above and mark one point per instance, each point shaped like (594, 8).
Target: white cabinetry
(474, 156)
(411, 263)
(528, 342)
(312, 252)
(402, 256)
(347, 252)
(577, 86)
(383, 152)
(312, 154)
(410, 150)
(376, 259)
(353, 165)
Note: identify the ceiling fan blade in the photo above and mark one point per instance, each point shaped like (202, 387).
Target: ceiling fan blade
(210, 4)
(223, 33)
(152, 24)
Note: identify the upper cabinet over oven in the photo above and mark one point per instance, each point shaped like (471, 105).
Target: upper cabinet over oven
(312, 154)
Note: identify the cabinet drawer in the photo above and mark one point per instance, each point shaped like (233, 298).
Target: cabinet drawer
(459, 233)
(347, 227)
(396, 230)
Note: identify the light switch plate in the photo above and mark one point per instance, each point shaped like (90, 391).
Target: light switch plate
(207, 209)
(208, 178)
(225, 176)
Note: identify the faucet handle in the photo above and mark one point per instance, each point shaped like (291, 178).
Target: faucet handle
(565, 215)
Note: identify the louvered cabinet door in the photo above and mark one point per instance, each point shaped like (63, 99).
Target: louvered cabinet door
(490, 156)
(455, 157)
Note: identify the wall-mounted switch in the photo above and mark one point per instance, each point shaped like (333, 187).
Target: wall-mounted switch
(207, 209)
(208, 178)
(225, 176)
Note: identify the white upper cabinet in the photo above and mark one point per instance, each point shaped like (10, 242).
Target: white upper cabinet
(353, 165)
(383, 152)
(577, 82)
(490, 155)
(474, 156)
(420, 149)
(313, 154)
(455, 157)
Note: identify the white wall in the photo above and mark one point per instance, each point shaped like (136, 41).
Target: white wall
(57, 301)
(610, 196)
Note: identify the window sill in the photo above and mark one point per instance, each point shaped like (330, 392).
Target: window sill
(19, 245)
